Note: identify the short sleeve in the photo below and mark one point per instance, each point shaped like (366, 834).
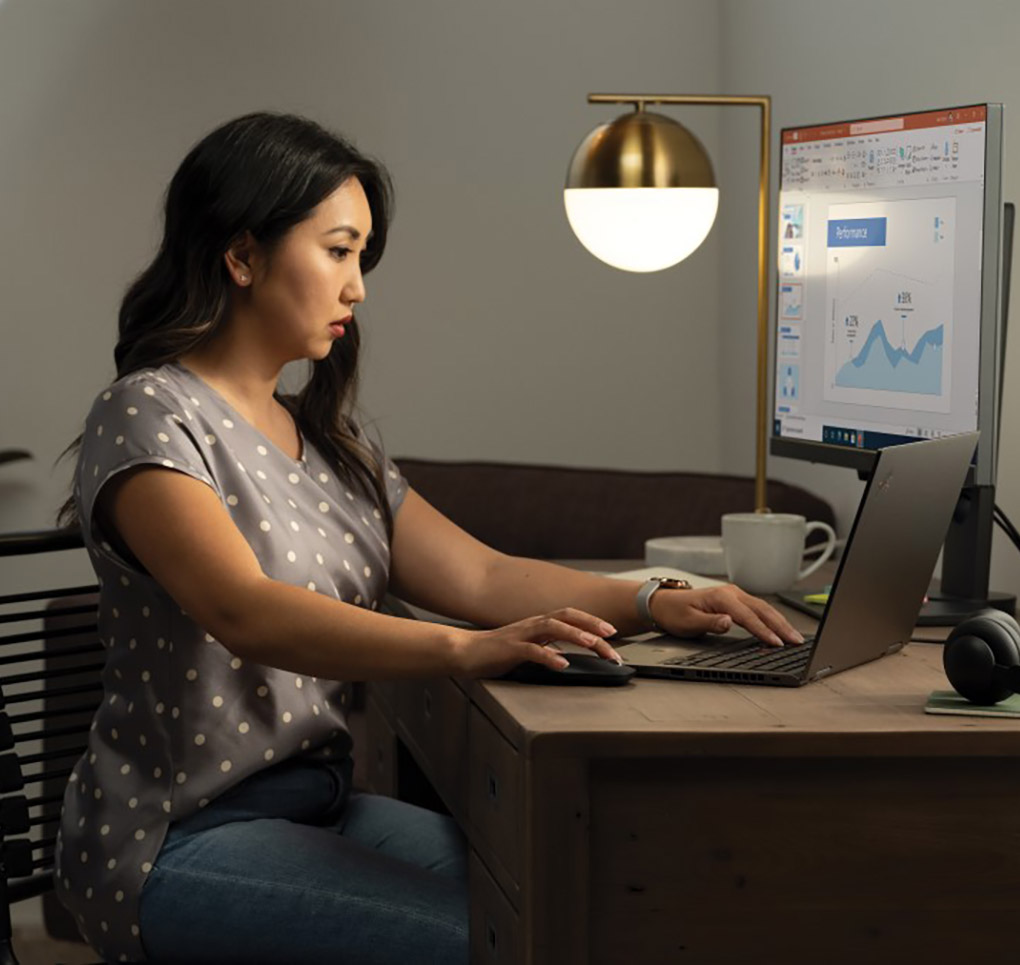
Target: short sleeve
(137, 421)
(396, 483)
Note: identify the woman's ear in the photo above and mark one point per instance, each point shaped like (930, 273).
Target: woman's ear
(238, 259)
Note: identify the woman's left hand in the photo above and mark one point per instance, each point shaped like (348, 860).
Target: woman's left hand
(714, 609)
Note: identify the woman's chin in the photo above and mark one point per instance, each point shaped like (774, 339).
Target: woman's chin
(320, 350)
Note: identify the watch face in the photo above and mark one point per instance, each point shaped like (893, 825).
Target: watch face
(671, 583)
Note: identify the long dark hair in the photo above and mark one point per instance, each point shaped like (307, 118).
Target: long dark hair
(262, 173)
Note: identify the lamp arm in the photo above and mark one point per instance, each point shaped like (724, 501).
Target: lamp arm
(761, 436)
(764, 103)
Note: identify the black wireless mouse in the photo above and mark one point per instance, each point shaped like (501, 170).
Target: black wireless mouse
(585, 669)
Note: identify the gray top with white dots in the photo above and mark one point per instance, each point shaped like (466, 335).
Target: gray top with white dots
(182, 718)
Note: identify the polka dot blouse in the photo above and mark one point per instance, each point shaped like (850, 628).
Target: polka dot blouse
(182, 718)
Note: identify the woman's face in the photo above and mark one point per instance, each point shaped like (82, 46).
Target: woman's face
(305, 290)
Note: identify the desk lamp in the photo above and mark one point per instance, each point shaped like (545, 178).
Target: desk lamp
(641, 196)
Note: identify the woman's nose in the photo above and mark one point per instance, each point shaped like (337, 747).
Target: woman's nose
(354, 290)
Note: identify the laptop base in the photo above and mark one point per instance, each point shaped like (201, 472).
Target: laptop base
(745, 661)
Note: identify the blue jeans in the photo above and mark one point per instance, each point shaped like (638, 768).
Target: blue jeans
(289, 867)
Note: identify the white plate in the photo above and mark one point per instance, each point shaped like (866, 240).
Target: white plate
(696, 554)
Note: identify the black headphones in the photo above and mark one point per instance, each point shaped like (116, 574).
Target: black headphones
(982, 657)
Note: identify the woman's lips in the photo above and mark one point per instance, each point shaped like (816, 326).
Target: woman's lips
(337, 328)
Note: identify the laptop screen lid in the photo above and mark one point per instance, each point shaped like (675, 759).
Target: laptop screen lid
(891, 551)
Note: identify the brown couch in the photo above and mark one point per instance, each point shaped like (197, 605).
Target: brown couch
(557, 512)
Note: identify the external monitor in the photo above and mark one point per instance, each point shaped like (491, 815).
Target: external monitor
(888, 306)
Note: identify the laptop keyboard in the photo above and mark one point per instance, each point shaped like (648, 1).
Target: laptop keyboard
(753, 655)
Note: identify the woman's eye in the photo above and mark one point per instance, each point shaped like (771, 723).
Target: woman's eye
(340, 253)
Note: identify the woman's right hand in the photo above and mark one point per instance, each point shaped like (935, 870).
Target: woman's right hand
(490, 653)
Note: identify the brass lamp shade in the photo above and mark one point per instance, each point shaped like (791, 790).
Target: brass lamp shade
(640, 150)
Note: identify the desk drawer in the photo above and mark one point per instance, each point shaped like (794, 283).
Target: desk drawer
(494, 797)
(434, 714)
(380, 751)
(495, 931)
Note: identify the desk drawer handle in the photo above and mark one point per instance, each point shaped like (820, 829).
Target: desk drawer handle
(490, 938)
(493, 787)
(427, 703)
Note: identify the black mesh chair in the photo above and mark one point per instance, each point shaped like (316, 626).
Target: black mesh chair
(51, 661)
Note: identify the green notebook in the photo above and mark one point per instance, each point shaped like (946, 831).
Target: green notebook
(950, 702)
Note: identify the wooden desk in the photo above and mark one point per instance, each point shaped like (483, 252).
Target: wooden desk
(693, 822)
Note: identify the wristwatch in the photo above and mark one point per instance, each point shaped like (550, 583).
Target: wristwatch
(644, 597)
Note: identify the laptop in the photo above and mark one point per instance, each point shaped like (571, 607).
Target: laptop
(879, 587)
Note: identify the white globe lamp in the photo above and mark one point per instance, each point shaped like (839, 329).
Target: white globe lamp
(640, 192)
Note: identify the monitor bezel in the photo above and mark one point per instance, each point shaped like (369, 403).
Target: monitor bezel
(984, 470)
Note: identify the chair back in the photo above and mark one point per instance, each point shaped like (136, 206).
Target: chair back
(51, 662)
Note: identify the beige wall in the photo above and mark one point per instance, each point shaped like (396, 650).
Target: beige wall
(825, 60)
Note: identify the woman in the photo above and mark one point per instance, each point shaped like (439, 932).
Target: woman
(243, 540)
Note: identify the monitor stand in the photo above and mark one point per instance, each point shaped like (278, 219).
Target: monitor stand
(966, 563)
(947, 611)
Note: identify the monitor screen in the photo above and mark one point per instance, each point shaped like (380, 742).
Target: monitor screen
(888, 284)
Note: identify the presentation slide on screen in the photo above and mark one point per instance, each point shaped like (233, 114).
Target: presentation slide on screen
(889, 303)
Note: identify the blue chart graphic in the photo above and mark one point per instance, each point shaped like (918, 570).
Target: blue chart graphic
(880, 366)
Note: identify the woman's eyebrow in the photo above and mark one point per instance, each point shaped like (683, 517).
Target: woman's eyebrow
(352, 231)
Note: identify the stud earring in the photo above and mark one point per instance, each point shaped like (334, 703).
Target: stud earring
(244, 278)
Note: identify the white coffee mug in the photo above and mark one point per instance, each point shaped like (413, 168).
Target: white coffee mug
(764, 551)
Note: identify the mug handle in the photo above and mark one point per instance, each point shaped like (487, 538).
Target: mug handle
(826, 553)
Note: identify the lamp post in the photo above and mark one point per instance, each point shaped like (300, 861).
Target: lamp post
(641, 196)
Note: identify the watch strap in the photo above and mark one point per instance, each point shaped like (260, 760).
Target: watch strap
(650, 587)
